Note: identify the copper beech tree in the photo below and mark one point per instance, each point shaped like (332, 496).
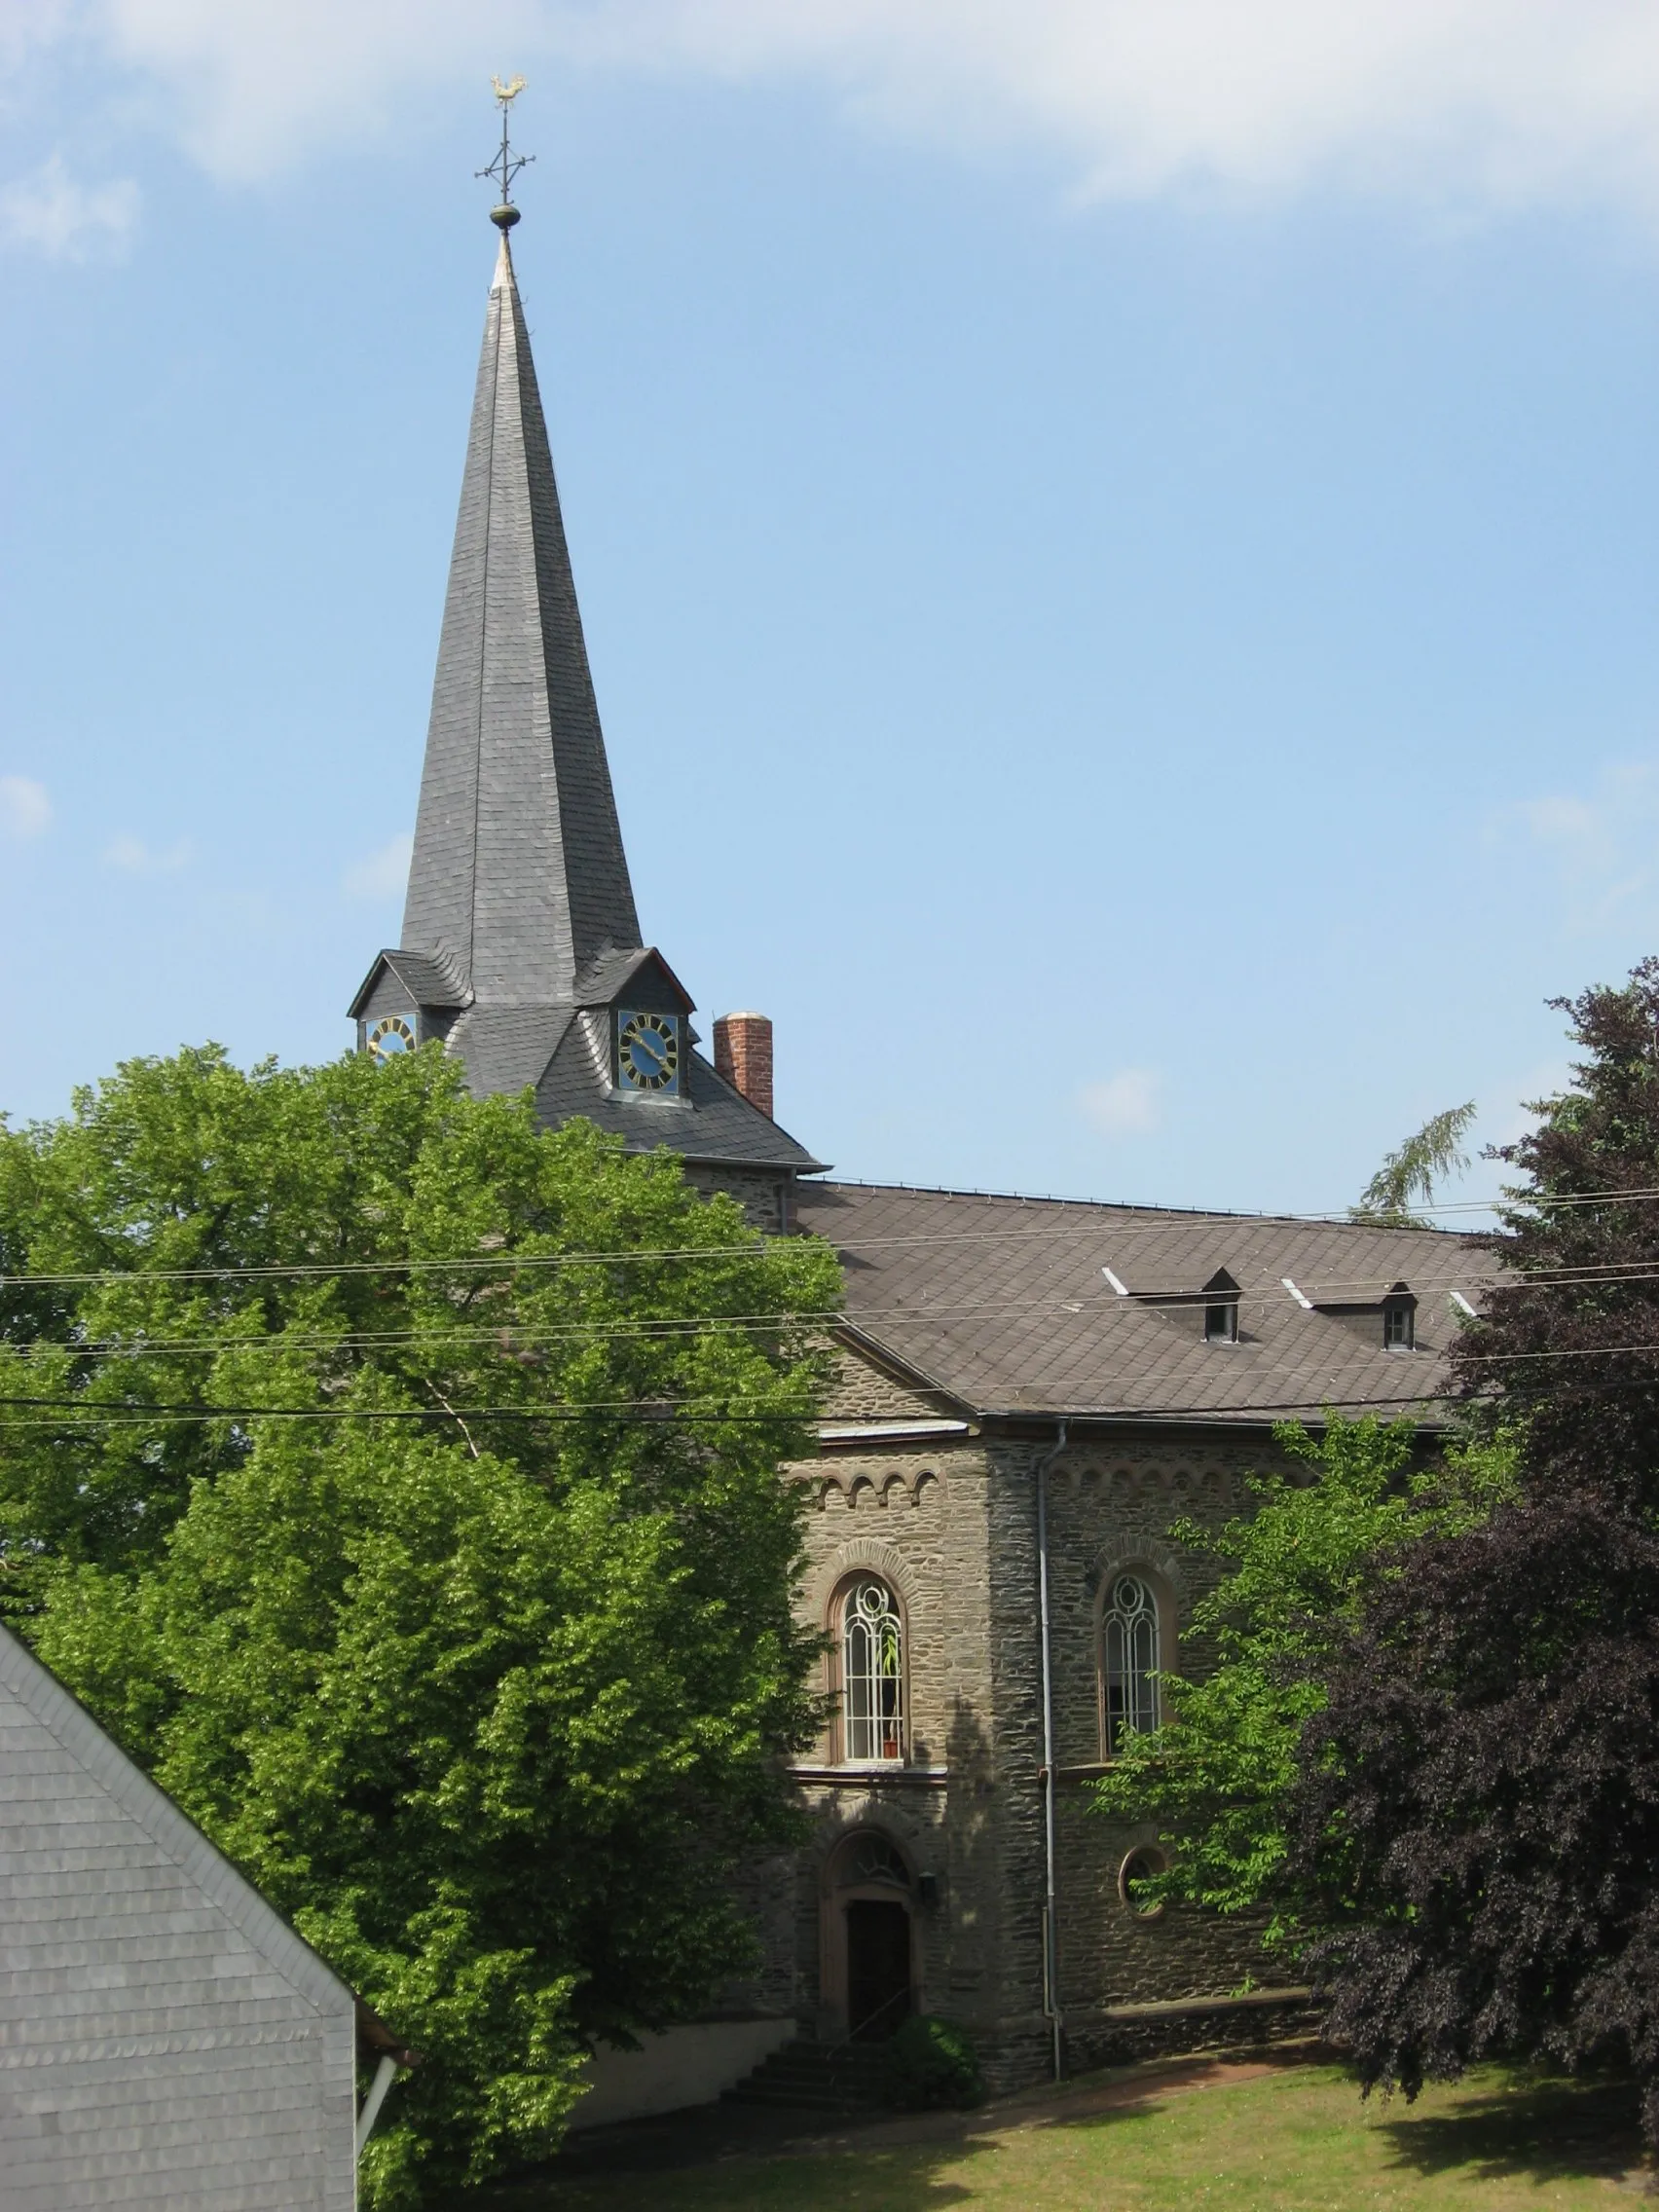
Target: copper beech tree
(1476, 1827)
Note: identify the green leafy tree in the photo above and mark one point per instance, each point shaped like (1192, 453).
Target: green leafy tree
(1220, 1775)
(1406, 1180)
(400, 1484)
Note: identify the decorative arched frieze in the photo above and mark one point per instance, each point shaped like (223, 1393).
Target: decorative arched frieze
(858, 1487)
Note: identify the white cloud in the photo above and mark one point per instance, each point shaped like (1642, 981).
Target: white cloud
(1604, 844)
(51, 214)
(383, 874)
(1123, 1105)
(25, 810)
(1490, 101)
(135, 858)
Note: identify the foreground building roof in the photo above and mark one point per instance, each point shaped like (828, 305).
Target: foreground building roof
(167, 2039)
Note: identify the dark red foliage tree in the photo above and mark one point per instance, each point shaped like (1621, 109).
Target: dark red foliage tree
(1478, 1820)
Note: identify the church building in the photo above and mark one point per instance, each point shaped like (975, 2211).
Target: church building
(1031, 1391)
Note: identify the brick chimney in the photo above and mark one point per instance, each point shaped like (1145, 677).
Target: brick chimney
(743, 1055)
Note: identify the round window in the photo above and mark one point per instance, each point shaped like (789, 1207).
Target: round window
(1136, 1880)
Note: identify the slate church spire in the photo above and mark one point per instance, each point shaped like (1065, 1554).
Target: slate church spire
(519, 881)
(522, 947)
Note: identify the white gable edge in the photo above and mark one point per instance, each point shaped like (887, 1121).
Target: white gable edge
(170, 1829)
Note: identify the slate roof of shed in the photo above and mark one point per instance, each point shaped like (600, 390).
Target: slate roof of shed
(1000, 1304)
(167, 2040)
(36, 1801)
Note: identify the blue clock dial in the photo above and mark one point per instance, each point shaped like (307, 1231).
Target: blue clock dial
(391, 1034)
(647, 1053)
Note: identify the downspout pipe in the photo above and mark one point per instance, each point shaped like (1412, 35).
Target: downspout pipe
(384, 2074)
(1051, 1903)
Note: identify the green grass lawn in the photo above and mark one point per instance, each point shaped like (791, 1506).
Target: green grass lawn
(1297, 2138)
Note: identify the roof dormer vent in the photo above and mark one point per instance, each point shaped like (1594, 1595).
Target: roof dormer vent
(1399, 1320)
(1221, 1310)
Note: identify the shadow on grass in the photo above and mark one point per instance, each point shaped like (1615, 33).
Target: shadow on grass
(906, 2178)
(1500, 2126)
(1543, 2127)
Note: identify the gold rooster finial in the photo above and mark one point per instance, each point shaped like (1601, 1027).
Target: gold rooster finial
(507, 165)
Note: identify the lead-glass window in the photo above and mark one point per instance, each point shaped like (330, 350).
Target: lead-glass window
(873, 1674)
(1131, 1661)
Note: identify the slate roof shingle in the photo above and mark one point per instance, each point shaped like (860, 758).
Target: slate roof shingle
(165, 2040)
(518, 878)
(519, 907)
(1001, 1304)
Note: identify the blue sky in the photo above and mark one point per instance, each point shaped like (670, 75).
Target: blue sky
(1120, 569)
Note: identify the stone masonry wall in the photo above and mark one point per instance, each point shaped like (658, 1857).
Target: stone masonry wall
(1111, 1504)
(762, 1195)
(918, 1518)
(951, 1527)
(863, 1391)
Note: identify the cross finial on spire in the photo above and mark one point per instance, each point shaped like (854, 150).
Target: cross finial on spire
(507, 165)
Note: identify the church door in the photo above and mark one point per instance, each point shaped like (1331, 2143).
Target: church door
(878, 1969)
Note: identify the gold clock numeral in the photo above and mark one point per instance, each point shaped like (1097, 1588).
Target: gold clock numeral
(647, 1053)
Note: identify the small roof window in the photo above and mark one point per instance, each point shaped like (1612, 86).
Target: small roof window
(1399, 1320)
(1221, 1310)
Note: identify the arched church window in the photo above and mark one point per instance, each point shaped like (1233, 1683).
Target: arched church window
(873, 1672)
(1131, 1659)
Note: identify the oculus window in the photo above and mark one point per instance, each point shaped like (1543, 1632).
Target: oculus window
(1137, 1879)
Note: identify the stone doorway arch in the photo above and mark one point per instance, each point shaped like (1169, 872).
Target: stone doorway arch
(868, 1923)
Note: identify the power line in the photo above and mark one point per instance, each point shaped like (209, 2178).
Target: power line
(514, 1262)
(657, 1409)
(521, 1336)
(634, 1411)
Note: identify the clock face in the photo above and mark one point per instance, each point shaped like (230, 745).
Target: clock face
(647, 1053)
(391, 1033)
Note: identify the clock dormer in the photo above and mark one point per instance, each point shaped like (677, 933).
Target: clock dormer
(647, 1013)
(406, 1000)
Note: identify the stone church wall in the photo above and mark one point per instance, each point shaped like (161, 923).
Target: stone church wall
(951, 1527)
(917, 1519)
(763, 1195)
(1111, 1503)
(861, 1391)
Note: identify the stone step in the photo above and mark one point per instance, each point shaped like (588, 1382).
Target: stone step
(816, 2076)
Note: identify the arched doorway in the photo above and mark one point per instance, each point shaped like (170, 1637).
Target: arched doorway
(870, 1937)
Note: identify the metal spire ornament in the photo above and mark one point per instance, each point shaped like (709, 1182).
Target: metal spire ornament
(507, 165)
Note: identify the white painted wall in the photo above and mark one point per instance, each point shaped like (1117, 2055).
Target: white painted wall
(684, 2066)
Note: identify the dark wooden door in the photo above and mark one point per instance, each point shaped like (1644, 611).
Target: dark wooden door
(878, 1969)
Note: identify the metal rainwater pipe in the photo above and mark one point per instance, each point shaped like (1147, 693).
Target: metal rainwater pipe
(1050, 1907)
(384, 2073)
